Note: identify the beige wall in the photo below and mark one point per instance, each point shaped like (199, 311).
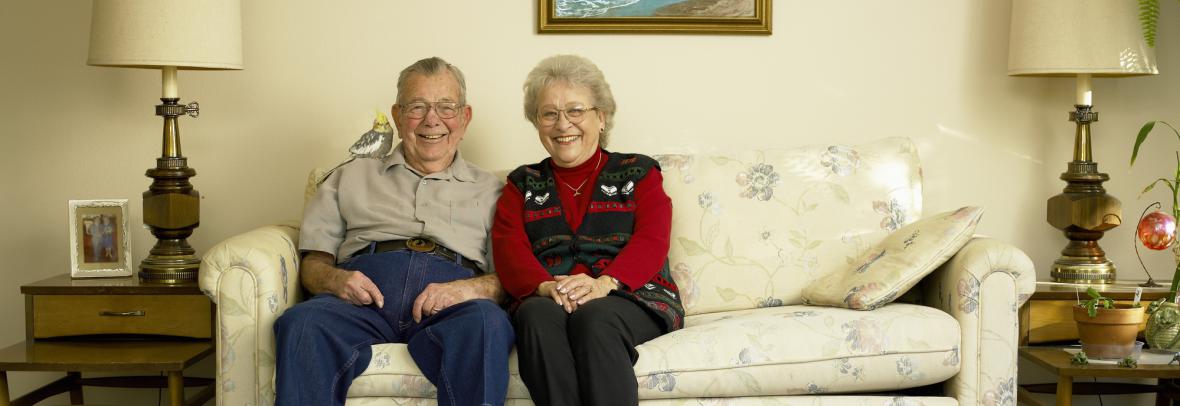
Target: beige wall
(834, 71)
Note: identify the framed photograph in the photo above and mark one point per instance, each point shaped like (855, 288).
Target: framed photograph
(99, 244)
(654, 16)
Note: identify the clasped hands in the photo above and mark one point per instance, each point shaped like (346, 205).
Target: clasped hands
(571, 291)
(359, 290)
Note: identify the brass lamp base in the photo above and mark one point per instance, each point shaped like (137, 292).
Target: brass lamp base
(1083, 211)
(1089, 270)
(171, 207)
(169, 269)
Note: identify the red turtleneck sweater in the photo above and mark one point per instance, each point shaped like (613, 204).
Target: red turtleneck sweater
(519, 270)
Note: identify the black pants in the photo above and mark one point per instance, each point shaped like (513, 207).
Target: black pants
(583, 358)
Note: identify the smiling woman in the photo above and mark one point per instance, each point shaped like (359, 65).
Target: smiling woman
(582, 244)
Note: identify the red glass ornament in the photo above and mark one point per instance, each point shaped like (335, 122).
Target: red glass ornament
(1157, 230)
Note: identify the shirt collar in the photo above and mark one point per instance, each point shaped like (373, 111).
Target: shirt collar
(459, 169)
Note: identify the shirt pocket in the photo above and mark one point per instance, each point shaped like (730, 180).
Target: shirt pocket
(470, 216)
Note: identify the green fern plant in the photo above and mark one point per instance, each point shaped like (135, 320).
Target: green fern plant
(1149, 16)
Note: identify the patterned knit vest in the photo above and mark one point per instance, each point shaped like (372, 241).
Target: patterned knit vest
(605, 229)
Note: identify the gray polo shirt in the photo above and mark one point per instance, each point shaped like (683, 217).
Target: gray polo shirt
(370, 200)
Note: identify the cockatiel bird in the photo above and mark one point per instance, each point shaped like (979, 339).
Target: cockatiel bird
(375, 143)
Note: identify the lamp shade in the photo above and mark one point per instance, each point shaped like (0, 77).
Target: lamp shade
(186, 34)
(1070, 37)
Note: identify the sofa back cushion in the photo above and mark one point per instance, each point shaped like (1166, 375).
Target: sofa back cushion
(754, 228)
(896, 263)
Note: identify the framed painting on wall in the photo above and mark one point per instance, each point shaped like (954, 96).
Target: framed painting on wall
(99, 244)
(654, 16)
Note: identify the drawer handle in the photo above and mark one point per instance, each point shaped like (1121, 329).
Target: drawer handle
(132, 313)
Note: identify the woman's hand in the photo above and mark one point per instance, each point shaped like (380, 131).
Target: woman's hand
(582, 288)
(549, 289)
(571, 291)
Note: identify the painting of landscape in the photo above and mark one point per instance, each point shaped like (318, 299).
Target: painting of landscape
(654, 8)
(654, 16)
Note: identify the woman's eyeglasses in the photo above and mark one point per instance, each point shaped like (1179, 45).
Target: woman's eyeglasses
(574, 115)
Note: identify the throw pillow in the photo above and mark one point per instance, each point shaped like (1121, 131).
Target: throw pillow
(897, 263)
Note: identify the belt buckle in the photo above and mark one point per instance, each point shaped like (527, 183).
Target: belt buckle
(421, 245)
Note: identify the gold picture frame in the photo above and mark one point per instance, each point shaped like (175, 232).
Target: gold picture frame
(655, 16)
(99, 243)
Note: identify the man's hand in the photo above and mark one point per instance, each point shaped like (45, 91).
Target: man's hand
(439, 296)
(319, 274)
(356, 288)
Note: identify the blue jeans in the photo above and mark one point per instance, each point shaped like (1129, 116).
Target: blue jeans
(324, 342)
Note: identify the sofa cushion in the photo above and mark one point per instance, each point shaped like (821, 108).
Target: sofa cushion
(846, 400)
(795, 350)
(752, 229)
(392, 372)
(786, 350)
(897, 263)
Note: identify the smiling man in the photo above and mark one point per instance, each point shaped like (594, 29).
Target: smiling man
(395, 251)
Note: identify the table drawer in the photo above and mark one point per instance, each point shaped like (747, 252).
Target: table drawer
(171, 315)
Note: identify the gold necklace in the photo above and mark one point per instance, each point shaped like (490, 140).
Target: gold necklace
(578, 190)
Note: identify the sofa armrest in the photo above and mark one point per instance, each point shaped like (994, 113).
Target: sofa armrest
(983, 287)
(252, 277)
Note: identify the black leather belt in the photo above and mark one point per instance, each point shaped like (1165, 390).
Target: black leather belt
(418, 244)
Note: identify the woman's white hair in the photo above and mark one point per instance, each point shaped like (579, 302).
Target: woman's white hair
(576, 71)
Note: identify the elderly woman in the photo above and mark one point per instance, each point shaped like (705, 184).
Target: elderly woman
(581, 244)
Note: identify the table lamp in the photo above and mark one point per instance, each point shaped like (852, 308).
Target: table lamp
(168, 35)
(1084, 39)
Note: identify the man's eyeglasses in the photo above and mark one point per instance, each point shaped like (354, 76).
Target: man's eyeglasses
(419, 109)
(574, 115)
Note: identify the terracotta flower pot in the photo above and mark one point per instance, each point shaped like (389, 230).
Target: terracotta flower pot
(1110, 334)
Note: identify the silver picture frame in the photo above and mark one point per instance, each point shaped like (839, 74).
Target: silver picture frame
(99, 240)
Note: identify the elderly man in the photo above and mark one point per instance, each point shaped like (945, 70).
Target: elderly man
(396, 251)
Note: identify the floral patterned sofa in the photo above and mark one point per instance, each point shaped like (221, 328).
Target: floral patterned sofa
(750, 231)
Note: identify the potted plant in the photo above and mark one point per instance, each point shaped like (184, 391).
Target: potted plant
(1158, 231)
(1107, 330)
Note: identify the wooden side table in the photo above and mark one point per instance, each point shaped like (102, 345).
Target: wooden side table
(1057, 361)
(111, 325)
(1047, 316)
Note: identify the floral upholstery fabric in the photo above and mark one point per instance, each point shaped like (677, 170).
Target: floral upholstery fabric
(743, 401)
(799, 350)
(785, 350)
(897, 263)
(983, 287)
(252, 278)
(753, 229)
(750, 231)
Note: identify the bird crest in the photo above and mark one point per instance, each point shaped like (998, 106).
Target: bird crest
(375, 143)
